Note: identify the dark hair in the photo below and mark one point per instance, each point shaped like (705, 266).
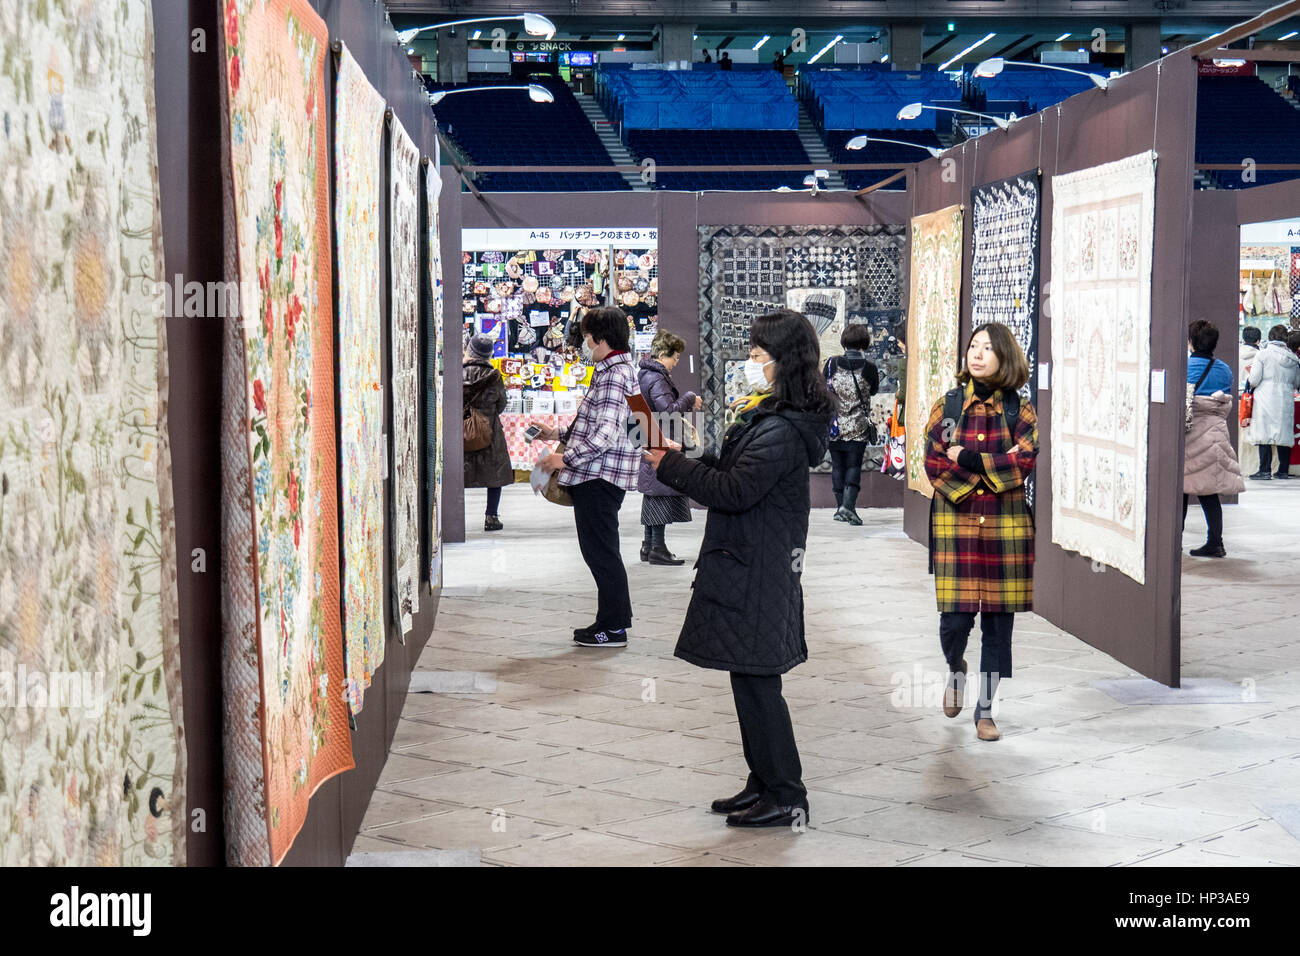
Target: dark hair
(607, 324)
(789, 338)
(1203, 336)
(1250, 335)
(666, 344)
(1293, 341)
(1013, 367)
(856, 336)
(1278, 333)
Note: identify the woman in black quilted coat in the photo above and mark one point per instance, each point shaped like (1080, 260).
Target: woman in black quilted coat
(746, 612)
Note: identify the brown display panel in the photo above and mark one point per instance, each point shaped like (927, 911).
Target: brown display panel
(189, 120)
(1151, 108)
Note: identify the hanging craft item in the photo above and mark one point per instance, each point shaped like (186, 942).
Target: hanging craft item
(933, 333)
(358, 165)
(530, 284)
(1103, 227)
(284, 717)
(92, 752)
(526, 337)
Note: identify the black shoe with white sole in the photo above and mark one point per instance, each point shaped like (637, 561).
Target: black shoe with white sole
(605, 637)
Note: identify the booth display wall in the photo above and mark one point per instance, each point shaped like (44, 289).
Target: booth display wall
(1152, 108)
(187, 88)
(679, 217)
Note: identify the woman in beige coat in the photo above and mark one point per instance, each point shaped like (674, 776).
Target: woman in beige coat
(1210, 463)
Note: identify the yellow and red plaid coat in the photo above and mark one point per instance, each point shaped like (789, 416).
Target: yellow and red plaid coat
(981, 530)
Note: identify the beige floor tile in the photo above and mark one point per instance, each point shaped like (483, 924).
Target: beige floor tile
(781, 847)
(488, 789)
(582, 848)
(386, 808)
(467, 830)
(1047, 845)
(916, 825)
(588, 808)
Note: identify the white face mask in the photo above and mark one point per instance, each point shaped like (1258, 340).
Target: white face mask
(754, 373)
(588, 355)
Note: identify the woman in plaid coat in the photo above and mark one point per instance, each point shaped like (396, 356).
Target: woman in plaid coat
(981, 528)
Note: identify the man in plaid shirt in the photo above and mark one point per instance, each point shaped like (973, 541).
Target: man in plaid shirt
(599, 466)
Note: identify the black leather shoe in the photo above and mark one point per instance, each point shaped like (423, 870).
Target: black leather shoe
(1282, 475)
(1209, 550)
(741, 801)
(852, 517)
(645, 552)
(1261, 476)
(661, 555)
(765, 813)
(492, 523)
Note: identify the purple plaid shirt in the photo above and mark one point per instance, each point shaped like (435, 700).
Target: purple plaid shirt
(597, 445)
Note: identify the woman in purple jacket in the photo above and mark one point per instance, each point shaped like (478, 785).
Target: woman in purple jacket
(660, 505)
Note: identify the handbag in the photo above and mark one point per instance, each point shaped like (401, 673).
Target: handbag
(1246, 410)
(477, 430)
(553, 491)
(1191, 393)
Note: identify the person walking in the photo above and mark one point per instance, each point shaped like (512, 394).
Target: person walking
(598, 467)
(852, 380)
(1210, 464)
(1274, 377)
(661, 505)
(746, 610)
(724, 61)
(1247, 454)
(982, 442)
(485, 392)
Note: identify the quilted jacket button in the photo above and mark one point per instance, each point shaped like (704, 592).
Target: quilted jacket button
(980, 437)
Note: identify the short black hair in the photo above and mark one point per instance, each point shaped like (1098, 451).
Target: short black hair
(1293, 341)
(1251, 335)
(856, 336)
(1278, 333)
(1203, 336)
(609, 325)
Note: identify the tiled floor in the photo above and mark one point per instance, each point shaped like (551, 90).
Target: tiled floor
(612, 757)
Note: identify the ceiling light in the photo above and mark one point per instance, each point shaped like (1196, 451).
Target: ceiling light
(977, 43)
(1289, 35)
(538, 26)
(477, 34)
(1063, 36)
(885, 58)
(759, 44)
(621, 36)
(818, 55)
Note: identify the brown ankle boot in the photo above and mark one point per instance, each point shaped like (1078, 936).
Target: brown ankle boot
(985, 729)
(952, 694)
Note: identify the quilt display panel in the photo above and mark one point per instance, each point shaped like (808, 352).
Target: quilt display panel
(92, 755)
(836, 275)
(404, 301)
(1103, 227)
(285, 714)
(433, 372)
(358, 172)
(932, 329)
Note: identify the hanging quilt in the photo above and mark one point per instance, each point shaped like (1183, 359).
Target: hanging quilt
(932, 329)
(358, 168)
(92, 758)
(285, 717)
(433, 370)
(404, 298)
(837, 275)
(1004, 262)
(1004, 268)
(1103, 227)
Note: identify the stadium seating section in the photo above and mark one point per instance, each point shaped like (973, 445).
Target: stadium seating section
(1240, 117)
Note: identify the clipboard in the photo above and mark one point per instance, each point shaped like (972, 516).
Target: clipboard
(642, 425)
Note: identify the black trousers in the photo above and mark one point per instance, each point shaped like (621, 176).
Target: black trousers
(1213, 509)
(1266, 459)
(767, 737)
(995, 648)
(595, 514)
(846, 470)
